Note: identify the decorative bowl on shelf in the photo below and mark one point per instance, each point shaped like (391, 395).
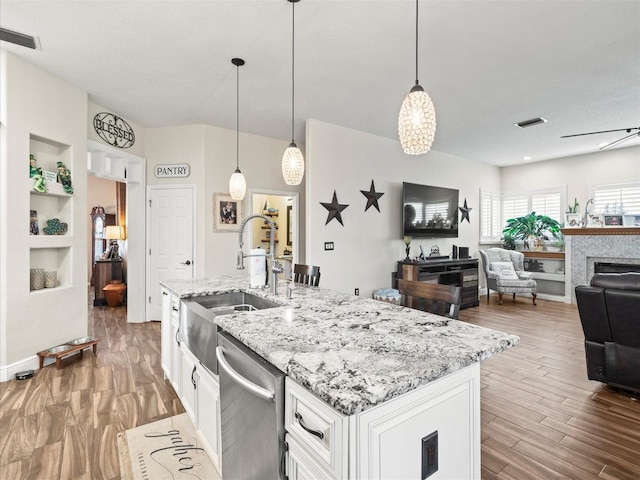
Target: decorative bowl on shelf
(553, 249)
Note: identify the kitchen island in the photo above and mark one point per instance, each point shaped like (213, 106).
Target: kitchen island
(388, 373)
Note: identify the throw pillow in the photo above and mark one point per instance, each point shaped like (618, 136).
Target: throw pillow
(505, 270)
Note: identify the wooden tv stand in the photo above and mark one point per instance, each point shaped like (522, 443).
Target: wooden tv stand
(461, 272)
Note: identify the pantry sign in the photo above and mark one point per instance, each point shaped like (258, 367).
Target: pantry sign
(172, 171)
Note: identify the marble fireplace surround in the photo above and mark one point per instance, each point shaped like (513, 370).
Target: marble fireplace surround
(586, 246)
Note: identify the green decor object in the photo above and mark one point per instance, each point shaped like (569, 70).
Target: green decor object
(33, 167)
(532, 229)
(55, 227)
(64, 177)
(575, 207)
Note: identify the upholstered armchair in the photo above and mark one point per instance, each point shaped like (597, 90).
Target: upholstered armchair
(505, 273)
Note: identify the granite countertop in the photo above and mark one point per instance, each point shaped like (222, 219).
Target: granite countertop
(352, 352)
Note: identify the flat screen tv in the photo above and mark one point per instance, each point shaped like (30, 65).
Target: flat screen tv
(429, 211)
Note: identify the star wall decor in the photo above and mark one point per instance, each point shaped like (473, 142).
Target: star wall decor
(372, 197)
(465, 212)
(334, 208)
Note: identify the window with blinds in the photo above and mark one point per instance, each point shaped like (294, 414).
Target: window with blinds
(617, 198)
(490, 224)
(496, 208)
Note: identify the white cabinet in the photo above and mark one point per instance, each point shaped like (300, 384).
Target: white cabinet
(188, 394)
(386, 441)
(208, 412)
(176, 358)
(165, 334)
(301, 465)
(318, 428)
(197, 388)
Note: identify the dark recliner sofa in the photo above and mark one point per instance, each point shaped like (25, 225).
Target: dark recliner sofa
(610, 315)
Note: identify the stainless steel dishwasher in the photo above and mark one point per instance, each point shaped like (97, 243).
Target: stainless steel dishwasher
(251, 411)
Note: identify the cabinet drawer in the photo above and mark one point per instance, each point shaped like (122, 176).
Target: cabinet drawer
(301, 465)
(304, 414)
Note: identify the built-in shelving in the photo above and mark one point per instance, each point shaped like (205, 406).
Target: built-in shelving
(50, 252)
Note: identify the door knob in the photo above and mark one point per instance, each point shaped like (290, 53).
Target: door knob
(188, 262)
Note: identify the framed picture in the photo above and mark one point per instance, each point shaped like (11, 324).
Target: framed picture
(289, 225)
(595, 220)
(33, 224)
(612, 220)
(572, 220)
(227, 213)
(632, 220)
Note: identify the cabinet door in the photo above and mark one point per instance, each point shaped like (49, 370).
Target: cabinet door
(165, 334)
(208, 412)
(176, 359)
(301, 465)
(188, 394)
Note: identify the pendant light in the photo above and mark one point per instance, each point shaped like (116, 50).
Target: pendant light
(237, 183)
(417, 119)
(292, 160)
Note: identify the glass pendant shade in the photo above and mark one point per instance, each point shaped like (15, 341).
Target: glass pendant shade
(292, 165)
(416, 122)
(237, 185)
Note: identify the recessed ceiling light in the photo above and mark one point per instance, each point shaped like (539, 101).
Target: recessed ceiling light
(531, 122)
(527, 158)
(603, 144)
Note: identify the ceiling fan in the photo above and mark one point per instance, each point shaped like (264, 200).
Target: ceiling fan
(615, 142)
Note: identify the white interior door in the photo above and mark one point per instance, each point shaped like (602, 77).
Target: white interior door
(171, 240)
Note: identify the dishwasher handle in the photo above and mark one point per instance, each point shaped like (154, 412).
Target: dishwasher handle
(240, 380)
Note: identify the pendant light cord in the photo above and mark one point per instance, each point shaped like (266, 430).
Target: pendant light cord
(237, 117)
(416, 42)
(293, 69)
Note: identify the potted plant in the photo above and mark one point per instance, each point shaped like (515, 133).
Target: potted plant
(532, 229)
(508, 242)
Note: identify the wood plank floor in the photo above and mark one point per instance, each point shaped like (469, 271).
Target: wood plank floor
(541, 417)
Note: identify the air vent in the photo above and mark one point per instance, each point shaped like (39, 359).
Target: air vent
(530, 123)
(17, 38)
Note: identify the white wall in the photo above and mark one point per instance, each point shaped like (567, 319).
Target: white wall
(211, 153)
(37, 103)
(577, 172)
(369, 244)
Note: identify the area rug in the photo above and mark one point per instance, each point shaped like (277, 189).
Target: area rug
(167, 449)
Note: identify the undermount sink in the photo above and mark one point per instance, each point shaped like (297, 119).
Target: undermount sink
(197, 321)
(234, 302)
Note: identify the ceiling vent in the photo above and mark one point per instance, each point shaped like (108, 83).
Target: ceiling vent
(531, 122)
(17, 38)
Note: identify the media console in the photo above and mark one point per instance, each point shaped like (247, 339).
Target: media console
(459, 272)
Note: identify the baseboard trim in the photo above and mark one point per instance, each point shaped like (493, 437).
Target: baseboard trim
(8, 372)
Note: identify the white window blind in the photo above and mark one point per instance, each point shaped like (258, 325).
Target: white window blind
(490, 225)
(513, 206)
(547, 203)
(617, 198)
(496, 208)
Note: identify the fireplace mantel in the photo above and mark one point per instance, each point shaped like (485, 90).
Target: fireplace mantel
(601, 231)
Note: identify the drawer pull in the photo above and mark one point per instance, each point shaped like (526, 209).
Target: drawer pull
(318, 434)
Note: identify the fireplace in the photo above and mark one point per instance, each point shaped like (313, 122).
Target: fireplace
(609, 267)
(586, 247)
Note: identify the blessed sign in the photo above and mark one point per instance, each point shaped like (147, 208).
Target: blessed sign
(174, 171)
(114, 130)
